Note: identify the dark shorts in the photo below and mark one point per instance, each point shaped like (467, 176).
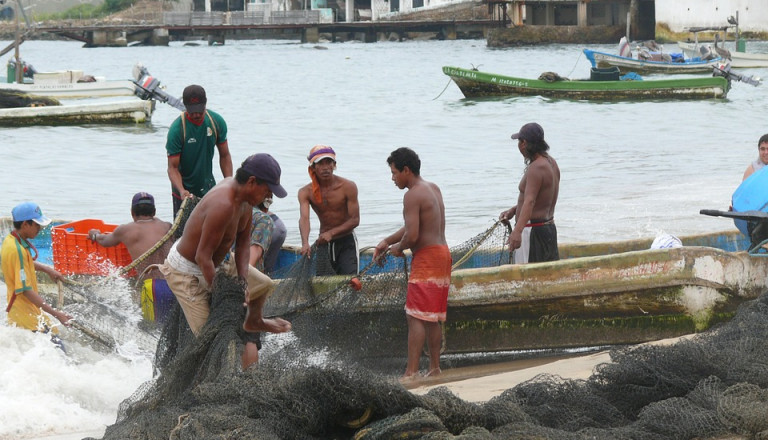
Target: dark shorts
(341, 256)
(543, 245)
(252, 337)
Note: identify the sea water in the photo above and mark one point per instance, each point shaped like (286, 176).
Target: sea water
(629, 169)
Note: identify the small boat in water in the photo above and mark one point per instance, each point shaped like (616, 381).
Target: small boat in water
(67, 84)
(673, 66)
(474, 84)
(130, 111)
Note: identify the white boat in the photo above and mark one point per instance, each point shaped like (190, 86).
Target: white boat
(131, 111)
(66, 84)
(739, 60)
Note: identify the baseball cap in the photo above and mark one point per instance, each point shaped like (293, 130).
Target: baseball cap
(194, 99)
(320, 152)
(29, 211)
(530, 132)
(264, 167)
(143, 198)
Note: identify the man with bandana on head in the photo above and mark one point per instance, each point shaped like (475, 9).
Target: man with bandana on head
(334, 200)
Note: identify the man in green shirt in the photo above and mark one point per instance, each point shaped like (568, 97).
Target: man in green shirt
(190, 147)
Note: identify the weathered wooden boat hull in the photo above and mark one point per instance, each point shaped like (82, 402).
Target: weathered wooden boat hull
(626, 65)
(618, 299)
(119, 112)
(598, 294)
(74, 90)
(474, 84)
(623, 298)
(739, 60)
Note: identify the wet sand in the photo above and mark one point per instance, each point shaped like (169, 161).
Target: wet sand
(482, 383)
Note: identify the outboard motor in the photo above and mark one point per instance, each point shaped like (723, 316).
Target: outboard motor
(148, 87)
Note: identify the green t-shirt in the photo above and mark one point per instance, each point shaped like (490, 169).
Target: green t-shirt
(196, 149)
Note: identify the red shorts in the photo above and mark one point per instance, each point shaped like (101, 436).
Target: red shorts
(428, 285)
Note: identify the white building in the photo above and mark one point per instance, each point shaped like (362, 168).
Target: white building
(680, 14)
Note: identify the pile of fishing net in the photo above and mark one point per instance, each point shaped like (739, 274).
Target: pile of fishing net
(712, 385)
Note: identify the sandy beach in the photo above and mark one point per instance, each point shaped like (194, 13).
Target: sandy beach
(480, 384)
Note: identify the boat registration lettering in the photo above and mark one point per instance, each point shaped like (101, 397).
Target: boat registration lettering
(461, 73)
(509, 82)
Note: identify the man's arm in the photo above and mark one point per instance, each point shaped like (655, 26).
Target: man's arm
(304, 220)
(52, 273)
(107, 240)
(175, 175)
(225, 159)
(384, 245)
(411, 207)
(353, 216)
(532, 188)
(748, 172)
(38, 300)
(243, 245)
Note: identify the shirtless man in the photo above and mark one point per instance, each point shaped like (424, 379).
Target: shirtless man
(426, 302)
(762, 158)
(140, 236)
(534, 237)
(223, 218)
(334, 200)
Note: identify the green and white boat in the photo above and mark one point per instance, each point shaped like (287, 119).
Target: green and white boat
(475, 84)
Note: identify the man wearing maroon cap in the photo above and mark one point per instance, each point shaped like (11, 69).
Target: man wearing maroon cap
(534, 236)
(140, 236)
(190, 148)
(223, 218)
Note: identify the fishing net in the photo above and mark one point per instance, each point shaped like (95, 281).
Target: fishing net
(330, 314)
(710, 386)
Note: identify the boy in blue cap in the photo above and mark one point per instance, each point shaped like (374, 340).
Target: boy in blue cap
(25, 305)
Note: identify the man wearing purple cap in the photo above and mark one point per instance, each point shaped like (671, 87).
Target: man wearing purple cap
(25, 305)
(534, 236)
(334, 200)
(223, 218)
(140, 236)
(190, 147)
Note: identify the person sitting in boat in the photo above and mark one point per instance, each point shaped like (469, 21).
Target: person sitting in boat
(25, 305)
(762, 157)
(140, 236)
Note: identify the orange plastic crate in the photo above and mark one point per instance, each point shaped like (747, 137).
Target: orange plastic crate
(74, 253)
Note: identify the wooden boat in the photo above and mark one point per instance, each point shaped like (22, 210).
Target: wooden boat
(739, 60)
(132, 111)
(598, 294)
(73, 89)
(474, 84)
(626, 65)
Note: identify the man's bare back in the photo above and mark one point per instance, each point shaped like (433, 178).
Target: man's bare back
(213, 226)
(426, 200)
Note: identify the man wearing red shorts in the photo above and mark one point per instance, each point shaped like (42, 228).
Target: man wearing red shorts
(430, 278)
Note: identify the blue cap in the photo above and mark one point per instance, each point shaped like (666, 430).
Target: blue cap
(29, 211)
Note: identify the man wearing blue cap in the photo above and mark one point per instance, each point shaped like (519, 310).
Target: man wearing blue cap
(25, 305)
(223, 218)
